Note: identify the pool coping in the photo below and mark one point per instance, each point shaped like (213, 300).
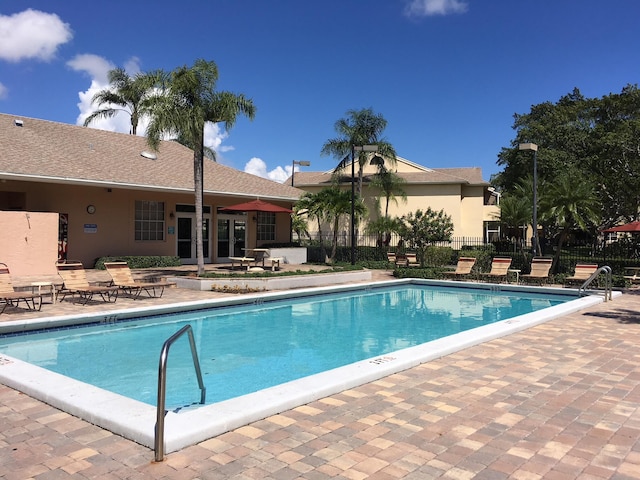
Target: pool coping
(136, 420)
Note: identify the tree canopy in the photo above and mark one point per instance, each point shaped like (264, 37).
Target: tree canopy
(596, 139)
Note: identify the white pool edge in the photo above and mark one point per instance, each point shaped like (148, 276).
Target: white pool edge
(136, 420)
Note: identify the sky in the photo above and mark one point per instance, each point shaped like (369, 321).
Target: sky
(447, 75)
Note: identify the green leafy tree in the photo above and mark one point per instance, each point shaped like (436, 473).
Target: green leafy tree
(599, 138)
(188, 103)
(360, 127)
(570, 203)
(421, 229)
(125, 94)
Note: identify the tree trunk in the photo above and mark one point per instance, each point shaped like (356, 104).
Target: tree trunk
(198, 179)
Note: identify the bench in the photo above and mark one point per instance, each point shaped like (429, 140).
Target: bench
(242, 261)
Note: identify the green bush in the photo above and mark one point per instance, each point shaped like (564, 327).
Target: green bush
(157, 261)
(438, 256)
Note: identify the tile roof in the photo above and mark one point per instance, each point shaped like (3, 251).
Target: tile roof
(52, 152)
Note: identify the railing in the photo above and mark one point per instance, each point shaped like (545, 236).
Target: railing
(162, 385)
(607, 282)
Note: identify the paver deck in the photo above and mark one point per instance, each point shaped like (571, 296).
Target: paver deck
(557, 401)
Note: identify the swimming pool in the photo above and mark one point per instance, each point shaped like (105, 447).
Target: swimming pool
(132, 418)
(247, 348)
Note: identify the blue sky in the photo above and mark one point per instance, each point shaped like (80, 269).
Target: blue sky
(447, 75)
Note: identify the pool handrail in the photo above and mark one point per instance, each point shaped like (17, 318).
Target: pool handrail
(608, 283)
(162, 385)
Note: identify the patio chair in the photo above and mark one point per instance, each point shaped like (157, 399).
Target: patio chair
(122, 277)
(499, 269)
(540, 269)
(463, 268)
(391, 257)
(74, 281)
(582, 273)
(9, 296)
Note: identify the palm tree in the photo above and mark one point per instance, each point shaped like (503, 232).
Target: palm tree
(361, 127)
(390, 184)
(188, 103)
(128, 93)
(570, 202)
(515, 213)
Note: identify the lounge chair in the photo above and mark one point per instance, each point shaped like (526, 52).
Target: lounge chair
(74, 281)
(122, 277)
(582, 273)
(540, 268)
(407, 260)
(9, 296)
(391, 257)
(463, 268)
(499, 269)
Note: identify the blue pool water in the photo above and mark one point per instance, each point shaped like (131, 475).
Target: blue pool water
(247, 348)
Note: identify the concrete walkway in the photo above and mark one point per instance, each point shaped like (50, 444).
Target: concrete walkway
(558, 401)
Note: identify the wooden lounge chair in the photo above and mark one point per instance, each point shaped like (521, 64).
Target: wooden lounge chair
(499, 269)
(9, 296)
(391, 257)
(463, 268)
(74, 281)
(122, 277)
(407, 260)
(540, 268)
(582, 273)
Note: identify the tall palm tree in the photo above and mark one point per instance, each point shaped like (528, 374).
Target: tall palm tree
(360, 127)
(188, 103)
(128, 93)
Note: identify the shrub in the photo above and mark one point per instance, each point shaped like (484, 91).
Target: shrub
(157, 261)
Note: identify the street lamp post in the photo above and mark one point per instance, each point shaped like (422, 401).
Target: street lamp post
(533, 147)
(354, 149)
(302, 163)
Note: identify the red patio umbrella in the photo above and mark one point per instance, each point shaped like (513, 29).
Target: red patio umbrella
(632, 227)
(256, 206)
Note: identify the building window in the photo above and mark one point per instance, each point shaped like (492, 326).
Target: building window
(266, 225)
(149, 220)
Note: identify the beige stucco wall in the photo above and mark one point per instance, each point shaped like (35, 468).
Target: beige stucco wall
(110, 230)
(29, 242)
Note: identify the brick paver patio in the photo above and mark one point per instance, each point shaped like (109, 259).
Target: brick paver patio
(558, 401)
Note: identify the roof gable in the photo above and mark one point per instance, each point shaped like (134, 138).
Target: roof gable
(40, 150)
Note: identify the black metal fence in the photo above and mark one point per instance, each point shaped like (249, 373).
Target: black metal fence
(617, 255)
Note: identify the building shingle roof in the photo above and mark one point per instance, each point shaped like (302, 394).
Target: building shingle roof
(45, 151)
(467, 176)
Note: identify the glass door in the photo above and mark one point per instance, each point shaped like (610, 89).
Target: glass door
(232, 236)
(186, 238)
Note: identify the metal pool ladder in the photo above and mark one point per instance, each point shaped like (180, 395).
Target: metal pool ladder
(162, 385)
(607, 282)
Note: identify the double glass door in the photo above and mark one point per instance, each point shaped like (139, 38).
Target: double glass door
(186, 234)
(232, 236)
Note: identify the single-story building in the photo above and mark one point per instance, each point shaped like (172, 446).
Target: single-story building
(461, 192)
(115, 196)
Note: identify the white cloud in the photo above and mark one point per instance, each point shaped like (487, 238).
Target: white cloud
(3, 91)
(257, 166)
(32, 34)
(425, 8)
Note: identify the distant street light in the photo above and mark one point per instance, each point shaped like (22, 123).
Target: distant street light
(354, 149)
(533, 147)
(302, 163)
